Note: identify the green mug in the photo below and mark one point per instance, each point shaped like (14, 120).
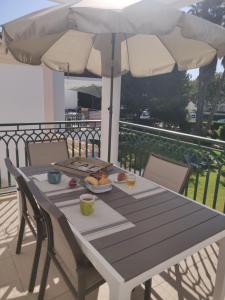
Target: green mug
(87, 204)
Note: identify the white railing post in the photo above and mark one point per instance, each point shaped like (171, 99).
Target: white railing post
(54, 103)
(115, 118)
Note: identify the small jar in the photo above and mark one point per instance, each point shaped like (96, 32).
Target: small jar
(54, 176)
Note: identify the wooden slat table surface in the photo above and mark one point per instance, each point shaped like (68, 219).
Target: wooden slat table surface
(166, 224)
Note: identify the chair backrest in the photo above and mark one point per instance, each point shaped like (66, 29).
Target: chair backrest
(171, 175)
(61, 239)
(42, 153)
(24, 190)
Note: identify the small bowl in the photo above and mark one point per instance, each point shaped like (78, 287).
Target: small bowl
(54, 176)
(87, 204)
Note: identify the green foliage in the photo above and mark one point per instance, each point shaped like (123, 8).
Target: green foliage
(213, 11)
(193, 90)
(222, 132)
(216, 85)
(166, 96)
(135, 94)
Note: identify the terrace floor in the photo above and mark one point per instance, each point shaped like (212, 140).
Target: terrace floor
(193, 279)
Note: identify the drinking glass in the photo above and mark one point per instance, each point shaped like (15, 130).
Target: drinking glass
(131, 179)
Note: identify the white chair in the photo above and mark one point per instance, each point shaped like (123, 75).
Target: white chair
(169, 174)
(42, 153)
(64, 251)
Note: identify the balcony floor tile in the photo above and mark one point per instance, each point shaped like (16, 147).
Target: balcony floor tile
(192, 279)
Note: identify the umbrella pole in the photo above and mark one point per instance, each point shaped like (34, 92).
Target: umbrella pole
(111, 97)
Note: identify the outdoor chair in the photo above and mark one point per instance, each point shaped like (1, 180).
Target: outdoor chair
(42, 153)
(169, 174)
(78, 273)
(30, 215)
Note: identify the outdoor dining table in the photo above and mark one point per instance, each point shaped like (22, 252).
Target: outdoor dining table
(153, 229)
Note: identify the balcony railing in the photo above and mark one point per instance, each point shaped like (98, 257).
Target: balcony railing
(83, 139)
(206, 156)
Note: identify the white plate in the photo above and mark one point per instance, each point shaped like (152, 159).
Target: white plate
(120, 181)
(97, 189)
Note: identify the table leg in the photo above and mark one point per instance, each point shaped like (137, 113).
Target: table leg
(119, 293)
(19, 203)
(219, 291)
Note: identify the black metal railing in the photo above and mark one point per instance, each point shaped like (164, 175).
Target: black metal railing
(73, 117)
(205, 156)
(83, 139)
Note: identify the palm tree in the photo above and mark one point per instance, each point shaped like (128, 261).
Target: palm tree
(214, 11)
(218, 94)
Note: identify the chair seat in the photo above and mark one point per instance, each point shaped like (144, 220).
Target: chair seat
(92, 277)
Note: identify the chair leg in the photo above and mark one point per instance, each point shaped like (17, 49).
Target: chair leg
(44, 277)
(35, 262)
(81, 288)
(148, 287)
(20, 236)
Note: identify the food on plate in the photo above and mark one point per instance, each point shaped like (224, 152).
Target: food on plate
(121, 176)
(91, 180)
(72, 183)
(104, 181)
(100, 178)
(99, 175)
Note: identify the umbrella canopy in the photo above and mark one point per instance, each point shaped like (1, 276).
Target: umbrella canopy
(6, 58)
(109, 38)
(92, 90)
(150, 38)
(174, 3)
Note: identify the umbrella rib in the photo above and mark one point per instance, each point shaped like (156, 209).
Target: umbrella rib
(128, 57)
(167, 49)
(89, 54)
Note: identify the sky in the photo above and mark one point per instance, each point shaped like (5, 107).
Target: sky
(12, 9)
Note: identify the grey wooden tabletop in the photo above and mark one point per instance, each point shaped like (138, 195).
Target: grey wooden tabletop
(166, 224)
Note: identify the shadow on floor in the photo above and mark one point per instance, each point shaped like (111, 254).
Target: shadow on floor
(192, 279)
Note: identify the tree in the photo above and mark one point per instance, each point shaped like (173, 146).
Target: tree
(214, 11)
(170, 98)
(215, 94)
(206, 74)
(193, 90)
(135, 94)
(166, 96)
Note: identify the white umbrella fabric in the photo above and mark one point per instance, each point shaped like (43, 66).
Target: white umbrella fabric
(173, 3)
(109, 38)
(150, 38)
(6, 58)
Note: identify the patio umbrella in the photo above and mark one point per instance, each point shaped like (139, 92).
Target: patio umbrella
(92, 90)
(109, 38)
(174, 3)
(6, 58)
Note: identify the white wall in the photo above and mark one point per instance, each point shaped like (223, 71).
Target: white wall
(21, 94)
(53, 91)
(28, 94)
(71, 100)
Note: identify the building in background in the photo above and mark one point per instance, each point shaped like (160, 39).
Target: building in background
(72, 84)
(29, 93)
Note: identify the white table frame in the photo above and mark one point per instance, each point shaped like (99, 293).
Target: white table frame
(121, 289)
